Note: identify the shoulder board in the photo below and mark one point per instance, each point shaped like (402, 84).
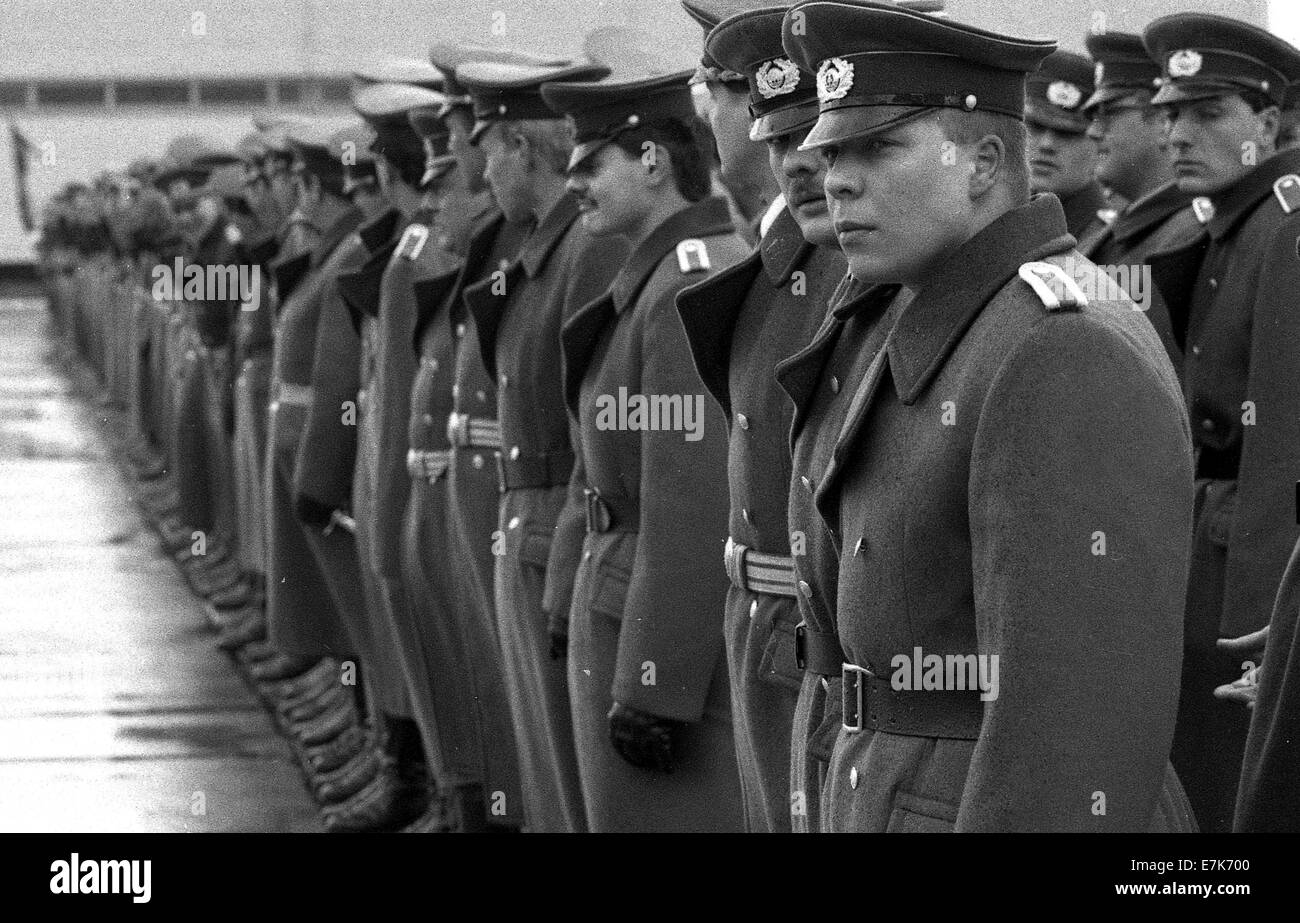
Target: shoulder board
(233, 235)
(692, 256)
(1054, 286)
(1203, 209)
(1287, 190)
(412, 242)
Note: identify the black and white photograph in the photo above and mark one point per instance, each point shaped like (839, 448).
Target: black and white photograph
(651, 416)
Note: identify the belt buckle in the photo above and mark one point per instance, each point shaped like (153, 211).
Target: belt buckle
(458, 428)
(853, 670)
(598, 517)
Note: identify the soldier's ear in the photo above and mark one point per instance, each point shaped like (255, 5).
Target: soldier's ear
(1270, 122)
(987, 163)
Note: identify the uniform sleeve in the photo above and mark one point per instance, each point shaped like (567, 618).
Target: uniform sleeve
(671, 635)
(1080, 516)
(1264, 529)
(327, 452)
(566, 545)
(589, 275)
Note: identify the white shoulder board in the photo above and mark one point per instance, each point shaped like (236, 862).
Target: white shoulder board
(1054, 286)
(1287, 190)
(692, 256)
(413, 239)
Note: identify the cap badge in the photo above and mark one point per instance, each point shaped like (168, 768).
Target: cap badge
(1185, 63)
(1064, 94)
(834, 79)
(776, 77)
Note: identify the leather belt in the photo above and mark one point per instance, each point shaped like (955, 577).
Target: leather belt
(466, 432)
(611, 513)
(429, 465)
(517, 469)
(870, 701)
(758, 571)
(817, 651)
(297, 395)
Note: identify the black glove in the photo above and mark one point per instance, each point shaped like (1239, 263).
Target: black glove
(311, 512)
(643, 739)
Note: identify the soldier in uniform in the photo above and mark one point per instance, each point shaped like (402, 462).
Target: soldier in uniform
(1062, 158)
(559, 268)
(740, 323)
(1133, 161)
(647, 671)
(980, 455)
(749, 183)
(1231, 301)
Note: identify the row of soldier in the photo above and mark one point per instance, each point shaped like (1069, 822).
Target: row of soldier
(437, 476)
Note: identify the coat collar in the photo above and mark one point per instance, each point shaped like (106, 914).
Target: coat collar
(1152, 209)
(931, 326)
(1081, 207)
(705, 218)
(378, 231)
(333, 235)
(548, 234)
(1237, 201)
(783, 248)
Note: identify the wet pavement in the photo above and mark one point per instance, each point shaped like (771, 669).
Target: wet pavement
(117, 710)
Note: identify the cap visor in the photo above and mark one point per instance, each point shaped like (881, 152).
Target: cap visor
(784, 121)
(1046, 118)
(1105, 95)
(583, 151)
(437, 168)
(1182, 92)
(858, 122)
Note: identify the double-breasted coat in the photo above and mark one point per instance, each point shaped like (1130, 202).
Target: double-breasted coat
(740, 323)
(994, 492)
(646, 616)
(559, 269)
(1232, 298)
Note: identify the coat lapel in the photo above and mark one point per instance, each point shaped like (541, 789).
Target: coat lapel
(709, 311)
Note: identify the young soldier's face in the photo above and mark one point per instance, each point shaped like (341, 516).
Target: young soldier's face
(897, 206)
(1059, 162)
(506, 172)
(1215, 142)
(610, 189)
(801, 176)
(1130, 139)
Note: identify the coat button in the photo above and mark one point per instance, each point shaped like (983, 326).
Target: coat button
(514, 523)
(514, 452)
(478, 462)
(753, 608)
(481, 395)
(807, 484)
(427, 419)
(742, 421)
(1214, 283)
(586, 556)
(805, 589)
(1207, 424)
(460, 330)
(853, 777)
(505, 379)
(455, 392)
(835, 385)
(1196, 350)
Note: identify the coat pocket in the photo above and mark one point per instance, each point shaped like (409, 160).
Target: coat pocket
(915, 814)
(610, 596)
(778, 665)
